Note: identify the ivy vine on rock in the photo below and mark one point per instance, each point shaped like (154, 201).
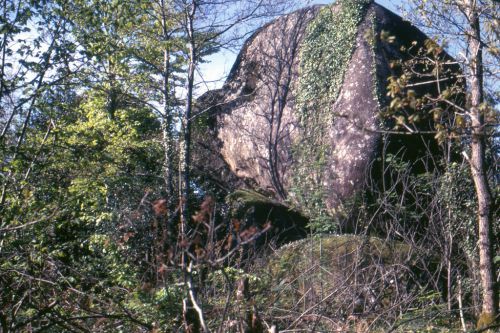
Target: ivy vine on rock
(326, 51)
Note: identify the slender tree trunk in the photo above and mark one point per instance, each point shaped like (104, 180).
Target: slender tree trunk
(3, 323)
(167, 112)
(167, 152)
(191, 303)
(478, 168)
(186, 121)
(167, 130)
(4, 50)
(460, 303)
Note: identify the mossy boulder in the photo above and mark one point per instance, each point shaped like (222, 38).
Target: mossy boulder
(299, 115)
(255, 210)
(340, 279)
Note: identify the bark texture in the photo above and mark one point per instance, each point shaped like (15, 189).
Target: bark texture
(478, 167)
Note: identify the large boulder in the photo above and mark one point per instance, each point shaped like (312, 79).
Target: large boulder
(334, 280)
(299, 115)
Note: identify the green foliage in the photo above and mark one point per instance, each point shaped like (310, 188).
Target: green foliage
(161, 307)
(324, 56)
(456, 194)
(411, 109)
(66, 217)
(79, 247)
(220, 277)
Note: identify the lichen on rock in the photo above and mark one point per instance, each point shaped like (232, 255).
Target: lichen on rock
(298, 117)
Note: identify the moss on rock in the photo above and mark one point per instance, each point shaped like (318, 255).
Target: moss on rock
(253, 209)
(327, 47)
(486, 320)
(339, 277)
(248, 198)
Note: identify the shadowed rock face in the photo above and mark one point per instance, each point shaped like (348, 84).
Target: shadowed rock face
(254, 121)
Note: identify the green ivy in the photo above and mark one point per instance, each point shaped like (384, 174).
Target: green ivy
(325, 53)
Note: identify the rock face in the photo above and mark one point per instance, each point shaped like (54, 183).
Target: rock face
(258, 135)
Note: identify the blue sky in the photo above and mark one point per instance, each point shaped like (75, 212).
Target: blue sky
(218, 66)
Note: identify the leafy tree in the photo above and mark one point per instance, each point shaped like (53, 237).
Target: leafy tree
(35, 55)
(91, 173)
(80, 152)
(471, 29)
(135, 48)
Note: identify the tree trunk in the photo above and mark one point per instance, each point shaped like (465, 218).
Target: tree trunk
(167, 130)
(186, 121)
(478, 168)
(167, 112)
(191, 302)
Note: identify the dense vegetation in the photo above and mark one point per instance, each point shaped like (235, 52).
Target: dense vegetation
(104, 229)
